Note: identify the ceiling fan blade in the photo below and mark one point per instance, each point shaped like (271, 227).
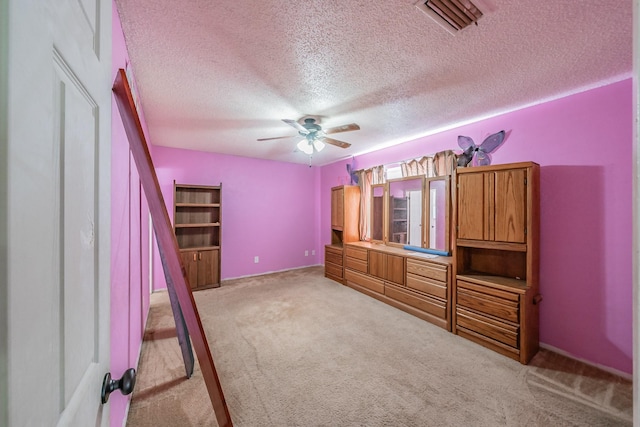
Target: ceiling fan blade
(277, 137)
(343, 128)
(296, 125)
(335, 142)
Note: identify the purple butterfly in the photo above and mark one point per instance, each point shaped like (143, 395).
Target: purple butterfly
(352, 173)
(479, 154)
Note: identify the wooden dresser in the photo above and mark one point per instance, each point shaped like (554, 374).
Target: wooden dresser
(404, 279)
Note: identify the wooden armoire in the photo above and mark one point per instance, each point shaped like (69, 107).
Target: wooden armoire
(345, 228)
(496, 257)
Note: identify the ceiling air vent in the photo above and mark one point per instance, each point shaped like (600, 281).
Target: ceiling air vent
(453, 15)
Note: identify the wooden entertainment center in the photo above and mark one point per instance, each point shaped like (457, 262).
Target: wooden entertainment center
(487, 291)
(401, 278)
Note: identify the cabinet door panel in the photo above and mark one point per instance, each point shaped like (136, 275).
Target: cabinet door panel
(207, 267)
(510, 206)
(395, 269)
(190, 263)
(471, 206)
(377, 266)
(337, 208)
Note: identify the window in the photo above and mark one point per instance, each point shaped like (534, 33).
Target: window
(393, 171)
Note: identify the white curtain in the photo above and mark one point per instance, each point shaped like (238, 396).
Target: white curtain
(364, 181)
(366, 178)
(377, 175)
(417, 167)
(444, 162)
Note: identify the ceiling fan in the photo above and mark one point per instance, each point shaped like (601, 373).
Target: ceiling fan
(315, 137)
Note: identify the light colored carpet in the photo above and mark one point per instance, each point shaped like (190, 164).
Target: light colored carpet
(297, 349)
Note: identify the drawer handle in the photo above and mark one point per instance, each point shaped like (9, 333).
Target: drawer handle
(537, 299)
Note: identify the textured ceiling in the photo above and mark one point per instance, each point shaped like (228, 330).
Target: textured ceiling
(217, 75)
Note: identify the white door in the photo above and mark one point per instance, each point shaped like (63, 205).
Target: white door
(415, 217)
(433, 209)
(58, 115)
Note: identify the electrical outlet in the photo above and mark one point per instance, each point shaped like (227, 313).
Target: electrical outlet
(256, 259)
(306, 253)
(313, 252)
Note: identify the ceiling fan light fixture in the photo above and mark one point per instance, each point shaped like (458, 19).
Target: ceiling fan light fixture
(318, 145)
(315, 138)
(305, 146)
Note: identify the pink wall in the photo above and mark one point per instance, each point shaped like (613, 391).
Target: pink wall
(129, 246)
(269, 209)
(583, 144)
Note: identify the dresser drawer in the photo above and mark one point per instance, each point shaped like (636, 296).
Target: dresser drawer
(503, 332)
(365, 281)
(427, 269)
(428, 286)
(504, 306)
(356, 264)
(358, 253)
(333, 269)
(429, 305)
(333, 256)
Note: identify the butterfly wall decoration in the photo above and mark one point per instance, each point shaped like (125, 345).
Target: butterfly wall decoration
(479, 155)
(353, 175)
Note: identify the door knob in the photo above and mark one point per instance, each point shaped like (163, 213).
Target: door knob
(124, 384)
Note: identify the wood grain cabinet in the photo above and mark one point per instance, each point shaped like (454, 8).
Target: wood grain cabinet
(402, 279)
(202, 268)
(492, 206)
(496, 257)
(387, 267)
(345, 227)
(333, 263)
(197, 219)
(337, 207)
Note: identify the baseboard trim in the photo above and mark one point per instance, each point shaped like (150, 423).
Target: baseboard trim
(270, 272)
(608, 369)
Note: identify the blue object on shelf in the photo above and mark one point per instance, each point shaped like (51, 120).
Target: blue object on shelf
(427, 251)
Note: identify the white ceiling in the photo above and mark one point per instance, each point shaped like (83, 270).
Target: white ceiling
(217, 75)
